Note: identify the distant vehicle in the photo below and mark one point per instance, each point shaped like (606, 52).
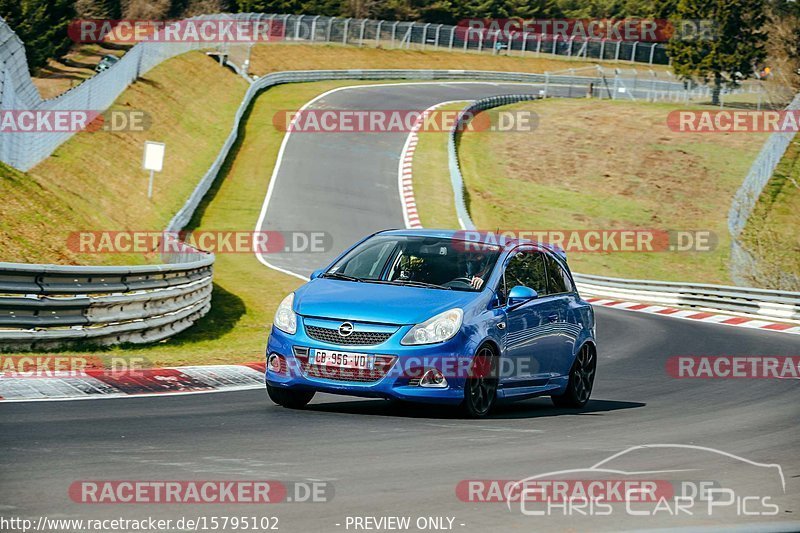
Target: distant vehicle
(106, 62)
(415, 315)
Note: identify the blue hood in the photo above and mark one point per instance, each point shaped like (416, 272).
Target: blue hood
(373, 302)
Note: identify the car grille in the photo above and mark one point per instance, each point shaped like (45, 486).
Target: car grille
(356, 338)
(383, 363)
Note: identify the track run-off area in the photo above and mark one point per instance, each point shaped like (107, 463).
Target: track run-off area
(388, 460)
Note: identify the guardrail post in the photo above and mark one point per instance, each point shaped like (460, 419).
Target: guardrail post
(546, 83)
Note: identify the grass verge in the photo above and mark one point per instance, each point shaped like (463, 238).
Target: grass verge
(95, 180)
(772, 232)
(605, 165)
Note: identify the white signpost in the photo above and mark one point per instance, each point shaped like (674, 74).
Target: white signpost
(153, 161)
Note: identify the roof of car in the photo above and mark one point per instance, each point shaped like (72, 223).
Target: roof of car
(487, 237)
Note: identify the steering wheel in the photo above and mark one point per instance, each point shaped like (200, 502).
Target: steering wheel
(462, 279)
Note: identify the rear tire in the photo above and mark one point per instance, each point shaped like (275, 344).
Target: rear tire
(480, 388)
(581, 380)
(291, 399)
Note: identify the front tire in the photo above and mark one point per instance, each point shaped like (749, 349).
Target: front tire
(581, 380)
(480, 388)
(291, 399)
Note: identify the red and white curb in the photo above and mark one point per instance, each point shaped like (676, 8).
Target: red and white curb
(102, 384)
(701, 316)
(404, 170)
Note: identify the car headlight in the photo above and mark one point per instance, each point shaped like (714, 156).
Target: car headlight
(285, 317)
(436, 329)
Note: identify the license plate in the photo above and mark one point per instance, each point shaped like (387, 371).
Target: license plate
(360, 361)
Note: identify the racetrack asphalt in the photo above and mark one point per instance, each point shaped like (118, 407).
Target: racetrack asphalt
(383, 459)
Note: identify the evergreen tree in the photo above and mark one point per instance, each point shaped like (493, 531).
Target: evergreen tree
(736, 46)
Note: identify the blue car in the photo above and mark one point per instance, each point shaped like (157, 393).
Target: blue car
(434, 316)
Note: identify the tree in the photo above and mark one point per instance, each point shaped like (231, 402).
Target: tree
(42, 26)
(730, 53)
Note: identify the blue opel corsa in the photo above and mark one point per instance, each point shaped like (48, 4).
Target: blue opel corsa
(434, 316)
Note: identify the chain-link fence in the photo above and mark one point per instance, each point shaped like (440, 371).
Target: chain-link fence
(748, 266)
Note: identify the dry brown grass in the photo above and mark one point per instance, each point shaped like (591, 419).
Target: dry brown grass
(277, 57)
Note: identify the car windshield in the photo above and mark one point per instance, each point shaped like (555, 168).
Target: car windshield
(435, 262)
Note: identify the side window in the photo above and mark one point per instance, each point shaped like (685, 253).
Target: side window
(527, 268)
(558, 279)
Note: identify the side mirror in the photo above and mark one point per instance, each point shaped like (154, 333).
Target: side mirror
(317, 273)
(520, 294)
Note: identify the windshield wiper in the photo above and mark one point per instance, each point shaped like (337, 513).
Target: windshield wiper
(410, 283)
(337, 275)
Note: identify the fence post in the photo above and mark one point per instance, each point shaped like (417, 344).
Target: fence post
(633, 51)
(297, 27)
(361, 32)
(602, 48)
(394, 33)
(546, 83)
(378, 33)
(346, 29)
(438, 29)
(524, 43)
(652, 52)
(330, 27)
(452, 36)
(314, 28)
(616, 55)
(425, 35)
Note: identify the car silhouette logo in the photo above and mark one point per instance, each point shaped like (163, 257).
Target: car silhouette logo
(345, 329)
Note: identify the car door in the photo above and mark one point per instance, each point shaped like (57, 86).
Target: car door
(529, 337)
(567, 327)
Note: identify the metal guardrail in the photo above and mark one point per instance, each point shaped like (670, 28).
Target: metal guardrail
(49, 306)
(745, 301)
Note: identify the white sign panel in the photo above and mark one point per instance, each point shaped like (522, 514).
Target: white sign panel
(153, 156)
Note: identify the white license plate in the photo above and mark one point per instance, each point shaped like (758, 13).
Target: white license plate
(360, 361)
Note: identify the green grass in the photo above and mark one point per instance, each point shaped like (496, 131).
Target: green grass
(602, 165)
(772, 232)
(431, 177)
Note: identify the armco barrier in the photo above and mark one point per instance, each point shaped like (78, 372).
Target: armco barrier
(761, 303)
(49, 306)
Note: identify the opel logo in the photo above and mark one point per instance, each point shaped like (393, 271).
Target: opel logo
(345, 329)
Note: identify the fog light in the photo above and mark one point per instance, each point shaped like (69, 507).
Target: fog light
(433, 378)
(275, 363)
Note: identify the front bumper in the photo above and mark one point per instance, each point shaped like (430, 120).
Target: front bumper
(450, 357)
